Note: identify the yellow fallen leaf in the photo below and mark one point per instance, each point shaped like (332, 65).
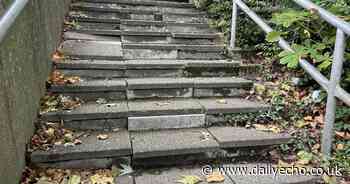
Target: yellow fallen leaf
(189, 179)
(301, 123)
(102, 136)
(215, 177)
(308, 118)
(340, 146)
(100, 179)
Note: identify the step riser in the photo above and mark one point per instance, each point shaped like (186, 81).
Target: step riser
(130, 9)
(151, 73)
(169, 40)
(147, 3)
(114, 17)
(170, 54)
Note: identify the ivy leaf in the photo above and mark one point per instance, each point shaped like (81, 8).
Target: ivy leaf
(189, 179)
(288, 17)
(291, 59)
(304, 157)
(273, 36)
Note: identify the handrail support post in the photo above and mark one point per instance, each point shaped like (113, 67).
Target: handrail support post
(233, 24)
(337, 67)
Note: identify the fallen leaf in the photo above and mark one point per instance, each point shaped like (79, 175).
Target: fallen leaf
(343, 135)
(308, 118)
(72, 80)
(115, 171)
(50, 132)
(329, 179)
(126, 169)
(74, 179)
(189, 179)
(57, 56)
(216, 177)
(221, 101)
(301, 123)
(304, 157)
(100, 179)
(102, 136)
(340, 146)
(77, 141)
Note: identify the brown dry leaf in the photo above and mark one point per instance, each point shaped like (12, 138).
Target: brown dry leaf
(268, 128)
(57, 78)
(340, 146)
(72, 80)
(343, 135)
(216, 177)
(319, 119)
(102, 136)
(57, 56)
(77, 142)
(308, 118)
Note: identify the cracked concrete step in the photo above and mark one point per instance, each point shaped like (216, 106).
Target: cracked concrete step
(162, 26)
(115, 17)
(172, 175)
(146, 3)
(116, 145)
(124, 8)
(142, 88)
(186, 87)
(140, 108)
(165, 143)
(102, 69)
(97, 28)
(84, 49)
(172, 51)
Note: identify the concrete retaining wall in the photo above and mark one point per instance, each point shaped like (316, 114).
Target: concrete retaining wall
(24, 66)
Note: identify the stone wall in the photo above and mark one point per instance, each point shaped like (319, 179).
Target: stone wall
(24, 67)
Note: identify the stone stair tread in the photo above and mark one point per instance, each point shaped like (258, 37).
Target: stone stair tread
(231, 105)
(71, 35)
(143, 64)
(139, 9)
(90, 86)
(141, 2)
(209, 48)
(111, 110)
(140, 108)
(116, 145)
(172, 175)
(161, 23)
(171, 142)
(231, 137)
(200, 82)
(101, 32)
(92, 49)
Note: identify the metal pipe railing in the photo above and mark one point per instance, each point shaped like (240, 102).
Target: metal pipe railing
(331, 86)
(10, 16)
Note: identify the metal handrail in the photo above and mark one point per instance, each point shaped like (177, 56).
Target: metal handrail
(10, 16)
(331, 86)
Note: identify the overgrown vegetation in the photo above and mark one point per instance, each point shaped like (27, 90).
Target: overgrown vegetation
(297, 102)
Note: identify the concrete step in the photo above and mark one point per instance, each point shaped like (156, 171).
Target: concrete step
(102, 69)
(117, 145)
(173, 174)
(125, 8)
(147, 145)
(151, 114)
(172, 51)
(115, 17)
(83, 49)
(145, 3)
(92, 27)
(142, 88)
(162, 26)
(166, 143)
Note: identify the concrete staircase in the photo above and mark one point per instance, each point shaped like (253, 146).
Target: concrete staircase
(166, 83)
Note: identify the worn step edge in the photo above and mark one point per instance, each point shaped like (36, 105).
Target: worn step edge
(117, 145)
(122, 110)
(144, 64)
(77, 6)
(97, 31)
(91, 86)
(161, 23)
(149, 3)
(208, 48)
